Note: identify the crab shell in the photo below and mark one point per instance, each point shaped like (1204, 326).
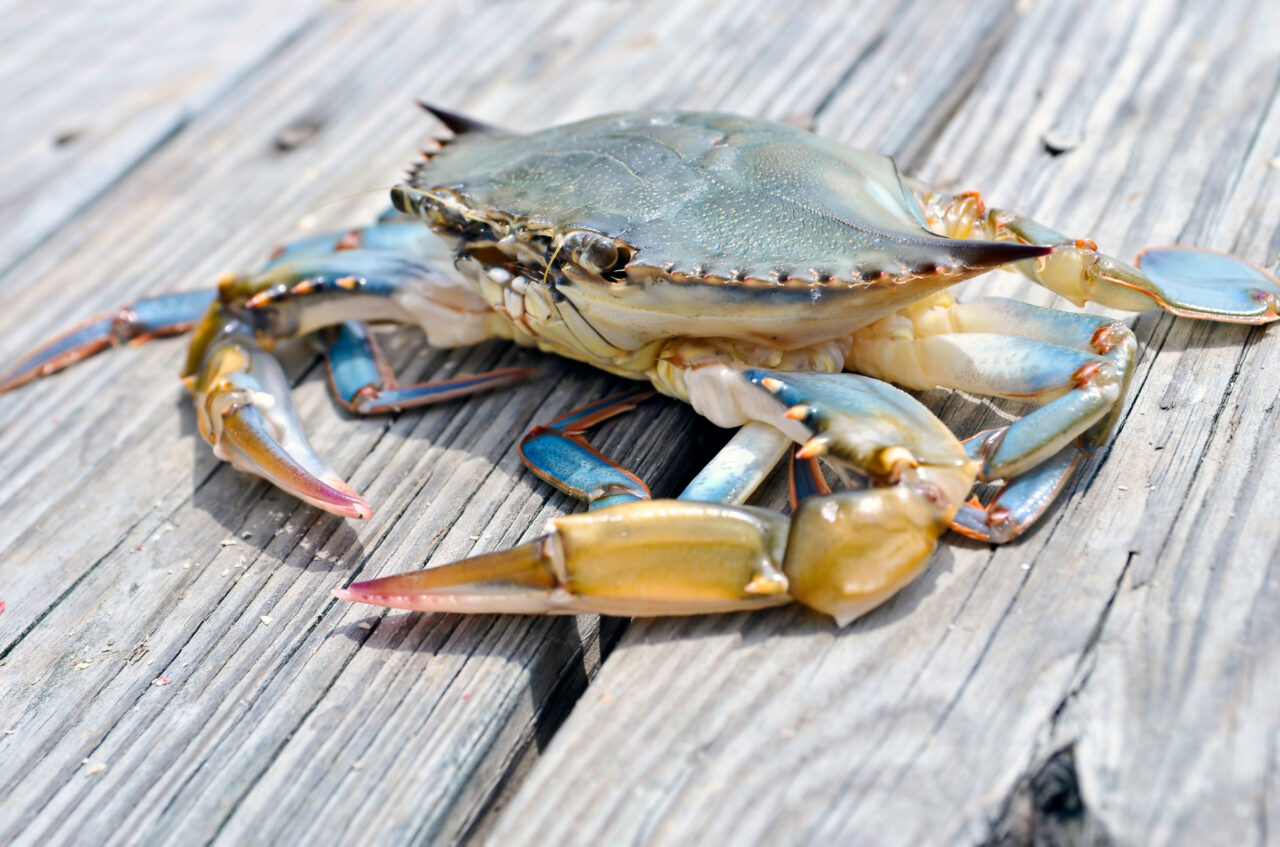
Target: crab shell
(646, 226)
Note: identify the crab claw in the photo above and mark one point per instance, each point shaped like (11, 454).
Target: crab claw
(842, 554)
(644, 558)
(851, 551)
(251, 442)
(244, 409)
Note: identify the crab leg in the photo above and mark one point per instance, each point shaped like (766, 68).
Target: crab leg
(1020, 502)
(301, 295)
(1187, 281)
(167, 314)
(740, 466)
(244, 409)
(173, 314)
(362, 380)
(409, 236)
(1077, 366)
(557, 453)
(842, 554)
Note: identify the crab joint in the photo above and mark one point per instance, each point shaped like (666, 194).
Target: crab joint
(890, 463)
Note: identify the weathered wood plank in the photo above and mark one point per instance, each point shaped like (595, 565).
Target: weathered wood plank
(86, 99)
(937, 718)
(1173, 722)
(312, 724)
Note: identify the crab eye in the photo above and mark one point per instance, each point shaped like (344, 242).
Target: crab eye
(591, 251)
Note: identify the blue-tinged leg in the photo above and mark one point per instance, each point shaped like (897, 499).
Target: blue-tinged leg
(1195, 282)
(805, 479)
(1020, 503)
(408, 236)
(307, 293)
(167, 314)
(1077, 366)
(369, 254)
(558, 454)
(362, 381)
(740, 466)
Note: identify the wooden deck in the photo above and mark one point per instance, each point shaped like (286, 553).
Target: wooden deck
(173, 669)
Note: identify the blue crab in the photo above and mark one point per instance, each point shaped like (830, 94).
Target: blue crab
(776, 281)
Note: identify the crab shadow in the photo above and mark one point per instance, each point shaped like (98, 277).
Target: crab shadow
(559, 655)
(562, 654)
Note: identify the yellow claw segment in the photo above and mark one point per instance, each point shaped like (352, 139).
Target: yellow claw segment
(798, 412)
(850, 552)
(657, 557)
(672, 557)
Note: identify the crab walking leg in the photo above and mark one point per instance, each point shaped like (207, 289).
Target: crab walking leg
(558, 453)
(311, 292)
(416, 278)
(362, 380)
(407, 236)
(1077, 366)
(805, 479)
(139, 322)
(1186, 281)
(841, 554)
(1019, 503)
(244, 409)
(740, 466)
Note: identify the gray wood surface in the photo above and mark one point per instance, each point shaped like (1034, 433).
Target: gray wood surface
(1112, 678)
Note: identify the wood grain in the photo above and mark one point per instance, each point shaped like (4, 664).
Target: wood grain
(1040, 692)
(91, 92)
(1111, 678)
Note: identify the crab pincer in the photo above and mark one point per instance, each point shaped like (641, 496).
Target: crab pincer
(245, 410)
(842, 554)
